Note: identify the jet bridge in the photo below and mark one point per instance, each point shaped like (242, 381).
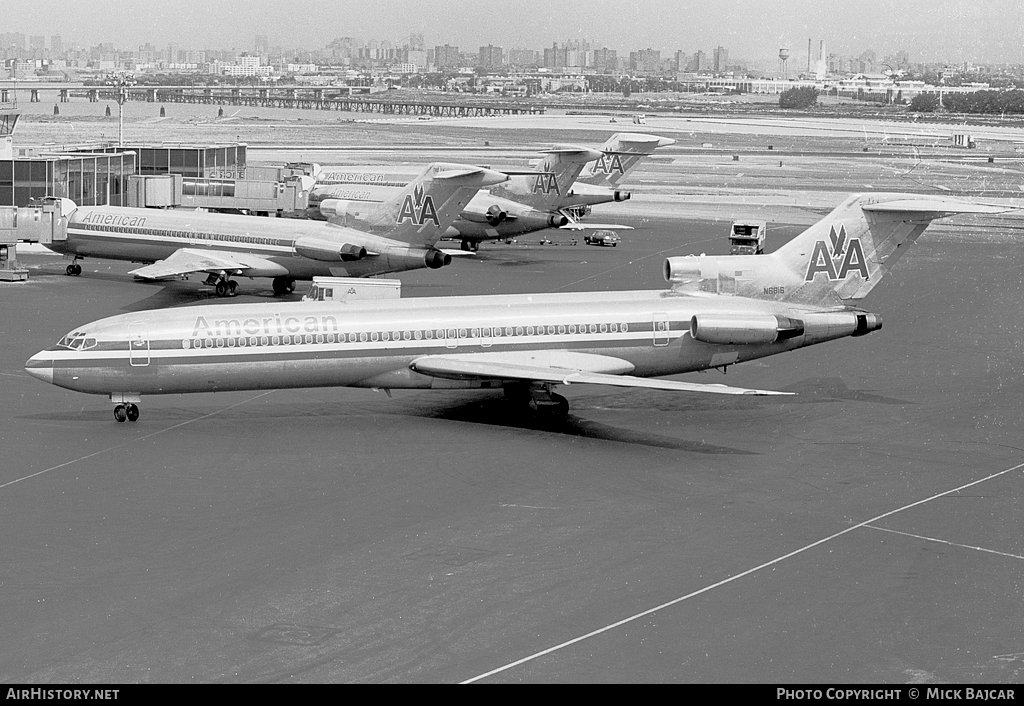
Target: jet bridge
(43, 223)
(286, 198)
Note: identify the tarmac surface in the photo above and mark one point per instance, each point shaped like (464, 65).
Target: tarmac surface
(869, 529)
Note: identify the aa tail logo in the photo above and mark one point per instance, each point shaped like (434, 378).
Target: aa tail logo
(824, 259)
(609, 164)
(545, 184)
(419, 211)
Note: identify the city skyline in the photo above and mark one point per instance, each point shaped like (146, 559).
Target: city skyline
(978, 31)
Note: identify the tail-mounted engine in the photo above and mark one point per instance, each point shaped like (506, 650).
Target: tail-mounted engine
(744, 329)
(327, 250)
(495, 215)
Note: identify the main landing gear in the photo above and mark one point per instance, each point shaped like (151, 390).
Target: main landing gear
(222, 285)
(225, 287)
(284, 285)
(544, 403)
(74, 269)
(128, 412)
(470, 245)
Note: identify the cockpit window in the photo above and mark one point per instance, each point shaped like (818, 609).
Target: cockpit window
(77, 341)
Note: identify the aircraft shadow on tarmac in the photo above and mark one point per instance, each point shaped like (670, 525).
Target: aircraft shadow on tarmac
(497, 411)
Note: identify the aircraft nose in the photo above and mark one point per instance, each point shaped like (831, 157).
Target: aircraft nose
(40, 366)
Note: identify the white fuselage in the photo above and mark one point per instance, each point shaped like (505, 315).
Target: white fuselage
(151, 235)
(373, 344)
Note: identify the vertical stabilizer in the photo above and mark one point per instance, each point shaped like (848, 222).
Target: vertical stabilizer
(554, 176)
(835, 262)
(421, 212)
(620, 154)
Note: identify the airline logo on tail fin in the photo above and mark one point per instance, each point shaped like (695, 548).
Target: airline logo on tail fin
(418, 208)
(609, 164)
(545, 184)
(838, 257)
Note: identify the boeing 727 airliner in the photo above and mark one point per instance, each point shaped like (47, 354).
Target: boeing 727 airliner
(719, 311)
(397, 234)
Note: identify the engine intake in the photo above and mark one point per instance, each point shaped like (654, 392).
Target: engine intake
(435, 259)
(622, 195)
(495, 215)
(744, 329)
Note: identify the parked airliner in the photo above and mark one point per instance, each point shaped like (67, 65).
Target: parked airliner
(528, 202)
(399, 233)
(719, 311)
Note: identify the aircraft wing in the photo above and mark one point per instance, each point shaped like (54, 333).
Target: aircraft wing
(190, 260)
(561, 368)
(576, 225)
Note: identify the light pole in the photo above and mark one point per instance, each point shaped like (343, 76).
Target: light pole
(120, 80)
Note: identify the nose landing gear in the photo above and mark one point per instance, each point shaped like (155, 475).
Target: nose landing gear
(129, 412)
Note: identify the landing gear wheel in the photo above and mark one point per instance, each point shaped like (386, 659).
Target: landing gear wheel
(466, 246)
(120, 413)
(222, 288)
(550, 407)
(232, 287)
(284, 285)
(73, 270)
(132, 412)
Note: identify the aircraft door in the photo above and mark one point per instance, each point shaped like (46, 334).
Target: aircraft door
(660, 329)
(138, 344)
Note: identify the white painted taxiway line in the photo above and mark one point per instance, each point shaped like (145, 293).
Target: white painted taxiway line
(943, 541)
(738, 576)
(134, 440)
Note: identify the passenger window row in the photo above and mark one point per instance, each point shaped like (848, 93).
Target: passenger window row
(489, 333)
(193, 235)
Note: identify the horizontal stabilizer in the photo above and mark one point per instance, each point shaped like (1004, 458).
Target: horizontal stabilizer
(489, 176)
(560, 368)
(641, 138)
(933, 207)
(574, 153)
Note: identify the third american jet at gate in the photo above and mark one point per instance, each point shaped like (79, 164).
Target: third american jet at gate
(719, 311)
(397, 234)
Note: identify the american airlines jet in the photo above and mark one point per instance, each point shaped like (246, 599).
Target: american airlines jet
(719, 311)
(527, 202)
(397, 234)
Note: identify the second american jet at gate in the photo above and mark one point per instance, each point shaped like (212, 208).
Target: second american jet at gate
(397, 234)
(528, 202)
(719, 311)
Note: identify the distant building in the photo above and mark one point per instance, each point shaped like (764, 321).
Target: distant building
(446, 57)
(699, 61)
(491, 57)
(522, 57)
(721, 59)
(605, 60)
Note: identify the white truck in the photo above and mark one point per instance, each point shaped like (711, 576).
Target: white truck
(747, 237)
(345, 289)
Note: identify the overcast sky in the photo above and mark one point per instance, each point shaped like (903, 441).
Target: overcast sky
(929, 30)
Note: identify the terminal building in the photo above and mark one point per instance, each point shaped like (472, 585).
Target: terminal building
(213, 177)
